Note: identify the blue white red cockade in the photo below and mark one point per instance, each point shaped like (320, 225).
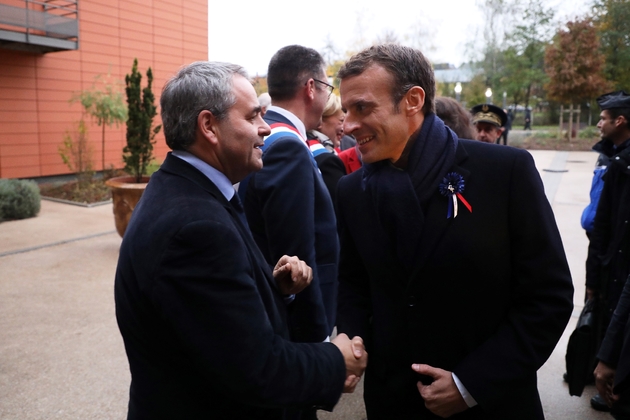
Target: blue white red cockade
(452, 186)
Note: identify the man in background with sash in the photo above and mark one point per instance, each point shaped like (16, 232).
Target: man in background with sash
(288, 207)
(452, 268)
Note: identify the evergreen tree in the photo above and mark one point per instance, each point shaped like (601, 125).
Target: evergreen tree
(141, 109)
(613, 24)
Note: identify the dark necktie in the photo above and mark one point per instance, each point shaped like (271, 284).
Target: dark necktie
(236, 204)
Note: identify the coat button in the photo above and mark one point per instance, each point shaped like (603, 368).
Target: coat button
(411, 301)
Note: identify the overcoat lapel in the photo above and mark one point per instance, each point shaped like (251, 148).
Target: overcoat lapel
(436, 224)
(181, 168)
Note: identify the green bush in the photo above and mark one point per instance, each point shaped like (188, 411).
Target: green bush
(589, 132)
(19, 199)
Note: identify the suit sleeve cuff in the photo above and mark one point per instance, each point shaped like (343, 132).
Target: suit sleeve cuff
(470, 401)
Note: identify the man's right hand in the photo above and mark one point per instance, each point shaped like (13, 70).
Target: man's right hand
(604, 379)
(355, 356)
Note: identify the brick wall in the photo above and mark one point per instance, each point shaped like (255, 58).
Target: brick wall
(35, 89)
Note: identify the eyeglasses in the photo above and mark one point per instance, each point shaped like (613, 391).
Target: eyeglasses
(331, 88)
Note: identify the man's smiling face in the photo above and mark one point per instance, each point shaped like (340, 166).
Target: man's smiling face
(372, 117)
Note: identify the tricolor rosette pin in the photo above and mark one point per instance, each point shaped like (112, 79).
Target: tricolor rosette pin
(452, 186)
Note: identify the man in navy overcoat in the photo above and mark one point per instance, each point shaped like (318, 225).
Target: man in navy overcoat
(288, 206)
(452, 268)
(202, 317)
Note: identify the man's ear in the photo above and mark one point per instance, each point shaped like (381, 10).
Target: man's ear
(414, 100)
(310, 89)
(207, 126)
(620, 121)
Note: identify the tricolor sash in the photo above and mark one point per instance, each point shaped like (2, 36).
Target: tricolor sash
(279, 130)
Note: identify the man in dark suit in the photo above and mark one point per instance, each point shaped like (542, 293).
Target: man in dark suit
(287, 204)
(612, 374)
(202, 317)
(608, 265)
(452, 268)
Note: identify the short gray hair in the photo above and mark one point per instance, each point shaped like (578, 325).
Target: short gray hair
(202, 85)
(264, 100)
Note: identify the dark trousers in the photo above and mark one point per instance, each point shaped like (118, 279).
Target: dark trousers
(621, 409)
(294, 414)
(503, 136)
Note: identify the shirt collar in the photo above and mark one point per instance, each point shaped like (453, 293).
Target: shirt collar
(291, 117)
(217, 177)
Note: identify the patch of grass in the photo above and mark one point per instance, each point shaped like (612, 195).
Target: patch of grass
(545, 134)
(553, 143)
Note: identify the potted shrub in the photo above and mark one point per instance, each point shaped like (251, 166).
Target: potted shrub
(138, 153)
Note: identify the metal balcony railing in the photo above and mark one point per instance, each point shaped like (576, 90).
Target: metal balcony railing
(39, 26)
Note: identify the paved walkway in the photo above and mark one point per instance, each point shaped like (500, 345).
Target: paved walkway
(62, 357)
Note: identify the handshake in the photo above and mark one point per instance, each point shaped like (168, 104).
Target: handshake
(292, 275)
(355, 356)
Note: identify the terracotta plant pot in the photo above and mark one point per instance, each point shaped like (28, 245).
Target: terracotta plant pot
(125, 194)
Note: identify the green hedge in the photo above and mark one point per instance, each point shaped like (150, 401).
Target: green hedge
(19, 199)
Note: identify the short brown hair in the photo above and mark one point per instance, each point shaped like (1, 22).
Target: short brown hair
(455, 116)
(408, 66)
(289, 68)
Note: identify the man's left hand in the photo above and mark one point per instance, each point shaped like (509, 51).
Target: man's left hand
(604, 379)
(442, 396)
(292, 275)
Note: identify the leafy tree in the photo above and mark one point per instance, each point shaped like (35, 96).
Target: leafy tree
(388, 36)
(421, 34)
(497, 16)
(76, 153)
(260, 84)
(526, 50)
(332, 70)
(612, 18)
(103, 102)
(140, 102)
(330, 52)
(475, 91)
(575, 66)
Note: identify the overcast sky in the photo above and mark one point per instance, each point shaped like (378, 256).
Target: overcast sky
(248, 32)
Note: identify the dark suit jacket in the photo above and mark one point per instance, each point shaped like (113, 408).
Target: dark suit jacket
(203, 323)
(608, 259)
(608, 264)
(489, 298)
(332, 170)
(289, 211)
(615, 349)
